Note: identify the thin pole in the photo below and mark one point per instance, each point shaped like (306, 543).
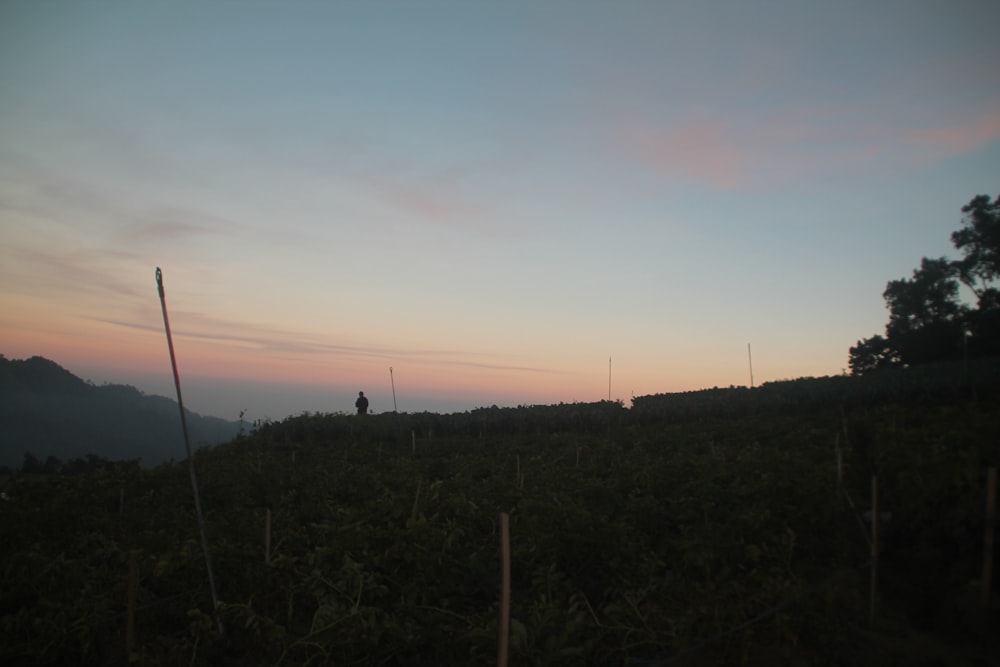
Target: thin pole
(875, 517)
(503, 640)
(393, 383)
(130, 609)
(840, 467)
(267, 536)
(965, 356)
(187, 447)
(609, 378)
(750, 359)
(989, 535)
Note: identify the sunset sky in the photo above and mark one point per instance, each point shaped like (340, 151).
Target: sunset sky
(490, 198)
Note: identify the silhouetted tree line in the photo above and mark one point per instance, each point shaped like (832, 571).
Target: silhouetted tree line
(594, 417)
(32, 465)
(929, 383)
(928, 319)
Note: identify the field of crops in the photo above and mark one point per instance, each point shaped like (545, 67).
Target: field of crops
(663, 540)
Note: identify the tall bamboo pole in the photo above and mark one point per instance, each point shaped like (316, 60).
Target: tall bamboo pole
(504, 638)
(988, 537)
(187, 447)
(393, 383)
(130, 604)
(267, 536)
(871, 605)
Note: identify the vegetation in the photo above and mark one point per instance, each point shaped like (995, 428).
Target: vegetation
(694, 529)
(928, 319)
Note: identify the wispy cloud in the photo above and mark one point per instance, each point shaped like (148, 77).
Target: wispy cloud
(68, 273)
(277, 343)
(82, 202)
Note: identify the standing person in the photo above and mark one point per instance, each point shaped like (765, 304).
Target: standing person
(361, 404)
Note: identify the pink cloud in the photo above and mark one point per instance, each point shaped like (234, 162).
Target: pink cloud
(704, 151)
(730, 153)
(428, 201)
(442, 196)
(955, 139)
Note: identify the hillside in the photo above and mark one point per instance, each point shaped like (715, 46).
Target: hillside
(48, 412)
(713, 528)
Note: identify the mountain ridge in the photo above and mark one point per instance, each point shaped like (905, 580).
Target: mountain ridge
(45, 410)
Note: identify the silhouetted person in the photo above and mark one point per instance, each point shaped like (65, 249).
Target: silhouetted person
(361, 404)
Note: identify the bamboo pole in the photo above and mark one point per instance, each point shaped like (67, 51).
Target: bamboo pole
(503, 641)
(190, 457)
(840, 464)
(267, 537)
(988, 537)
(871, 605)
(130, 605)
(393, 383)
(416, 502)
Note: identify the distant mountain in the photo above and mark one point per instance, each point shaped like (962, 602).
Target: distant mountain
(47, 411)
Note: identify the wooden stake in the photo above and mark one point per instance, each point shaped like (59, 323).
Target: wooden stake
(840, 462)
(988, 537)
(130, 604)
(871, 605)
(504, 639)
(416, 502)
(267, 536)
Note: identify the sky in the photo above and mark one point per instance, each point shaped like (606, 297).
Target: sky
(450, 205)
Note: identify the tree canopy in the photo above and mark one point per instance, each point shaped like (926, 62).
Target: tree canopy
(928, 320)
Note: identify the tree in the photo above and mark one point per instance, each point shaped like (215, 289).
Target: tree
(984, 324)
(31, 465)
(979, 269)
(926, 318)
(979, 242)
(873, 354)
